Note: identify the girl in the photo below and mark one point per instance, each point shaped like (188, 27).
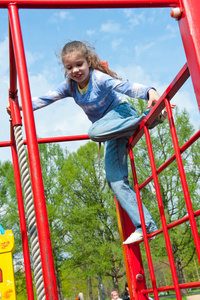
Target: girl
(115, 295)
(96, 89)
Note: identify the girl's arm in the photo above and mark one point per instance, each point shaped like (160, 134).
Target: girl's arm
(133, 90)
(62, 91)
(136, 90)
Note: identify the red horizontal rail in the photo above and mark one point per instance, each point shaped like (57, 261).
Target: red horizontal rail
(174, 224)
(171, 287)
(52, 140)
(5, 144)
(62, 139)
(70, 4)
(172, 158)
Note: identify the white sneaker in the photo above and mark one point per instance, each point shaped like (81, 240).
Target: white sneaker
(133, 238)
(162, 116)
(160, 119)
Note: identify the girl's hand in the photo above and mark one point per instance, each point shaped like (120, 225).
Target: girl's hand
(154, 97)
(8, 109)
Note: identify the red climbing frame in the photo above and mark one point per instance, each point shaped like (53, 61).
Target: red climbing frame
(189, 23)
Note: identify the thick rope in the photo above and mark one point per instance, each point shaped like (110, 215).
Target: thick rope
(35, 248)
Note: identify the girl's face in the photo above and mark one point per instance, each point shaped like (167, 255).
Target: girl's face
(77, 68)
(115, 295)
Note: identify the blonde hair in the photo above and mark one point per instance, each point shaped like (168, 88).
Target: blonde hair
(88, 52)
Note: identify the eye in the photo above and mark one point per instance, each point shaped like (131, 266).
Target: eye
(68, 68)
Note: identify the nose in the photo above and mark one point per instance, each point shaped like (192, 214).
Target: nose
(75, 69)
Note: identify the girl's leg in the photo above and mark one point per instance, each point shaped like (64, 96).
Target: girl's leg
(117, 176)
(115, 129)
(122, 121)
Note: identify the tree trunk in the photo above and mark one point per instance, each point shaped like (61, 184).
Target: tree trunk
(115, 282)
(101, 288)
(179, 270)
(90, 288)
(59, 286)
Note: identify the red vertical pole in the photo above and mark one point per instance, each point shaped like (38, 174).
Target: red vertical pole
(183, 179)
(120, 216)
(189, 25)
(34, 160)
(162, 214)
(148, 252)
(135, 274)
(27, 264)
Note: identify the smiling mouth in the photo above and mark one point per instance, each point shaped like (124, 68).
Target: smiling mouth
(77, 76)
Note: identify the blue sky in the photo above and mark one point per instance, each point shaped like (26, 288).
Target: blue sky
(141, 45)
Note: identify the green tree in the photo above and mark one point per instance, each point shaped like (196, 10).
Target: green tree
(92, 238)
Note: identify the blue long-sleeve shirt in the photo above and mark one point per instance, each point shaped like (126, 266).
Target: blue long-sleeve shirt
(103, 94)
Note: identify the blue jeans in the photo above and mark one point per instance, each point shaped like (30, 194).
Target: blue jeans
(115, 129)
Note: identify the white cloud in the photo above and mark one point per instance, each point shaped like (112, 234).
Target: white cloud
(133, 73)
(135, 19)
(142, 48)
(128, 12)
(90, 32)
(171, 33)
(31, 58)
(111, 27)
(60, 16)
(134, 22)
(116, 43)
(4, 58)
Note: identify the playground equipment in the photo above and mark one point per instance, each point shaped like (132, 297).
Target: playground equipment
(187, 14)
(7, 279)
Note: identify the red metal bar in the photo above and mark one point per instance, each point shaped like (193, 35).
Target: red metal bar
(120, 212)
(34, 160)
(175, 223)
(169, 93)
(183, 179)
(162, 215)
(5, 144)
(189, 25)
(171, 287)
(172, 158)
(148, 253)
(62, 139)
(71, 4)
(52, 140)
(25, 246)
(135, 273)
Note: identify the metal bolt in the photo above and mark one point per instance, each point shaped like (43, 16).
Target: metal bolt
(139, 277)
(176, 13)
